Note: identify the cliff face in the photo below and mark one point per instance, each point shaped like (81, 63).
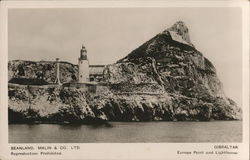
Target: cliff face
(165, 78)
(47, 104)
(56, 104)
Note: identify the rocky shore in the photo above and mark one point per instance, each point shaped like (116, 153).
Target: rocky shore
(165, 79)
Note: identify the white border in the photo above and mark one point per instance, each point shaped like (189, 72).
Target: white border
(124, 150)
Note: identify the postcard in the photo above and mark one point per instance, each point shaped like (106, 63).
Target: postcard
(124, 80)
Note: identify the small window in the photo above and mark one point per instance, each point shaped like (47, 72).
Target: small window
(81, 76)
(81, 62)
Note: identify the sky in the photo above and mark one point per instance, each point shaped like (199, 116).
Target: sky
(109, 34)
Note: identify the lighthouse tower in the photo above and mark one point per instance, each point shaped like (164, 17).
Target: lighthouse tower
(83, 64)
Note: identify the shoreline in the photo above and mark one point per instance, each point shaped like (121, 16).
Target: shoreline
(107, 122)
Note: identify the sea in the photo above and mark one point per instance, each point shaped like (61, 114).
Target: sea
(128, 132)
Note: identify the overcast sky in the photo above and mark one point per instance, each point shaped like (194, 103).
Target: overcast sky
(110, 34)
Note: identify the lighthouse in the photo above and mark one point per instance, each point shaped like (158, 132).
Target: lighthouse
(83, 65)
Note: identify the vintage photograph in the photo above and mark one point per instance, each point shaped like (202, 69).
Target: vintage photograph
(125, 75)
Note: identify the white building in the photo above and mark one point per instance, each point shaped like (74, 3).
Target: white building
(83, 64)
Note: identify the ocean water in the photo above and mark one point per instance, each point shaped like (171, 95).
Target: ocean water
(130, 132)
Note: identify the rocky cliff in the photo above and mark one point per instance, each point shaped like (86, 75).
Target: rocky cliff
(45, 70)
(165, 78)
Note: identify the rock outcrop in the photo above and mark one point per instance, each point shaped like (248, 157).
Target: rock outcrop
(165, 78)
(45, 70)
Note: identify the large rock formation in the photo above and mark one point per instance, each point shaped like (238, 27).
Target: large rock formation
(170, 60)
(165, 78)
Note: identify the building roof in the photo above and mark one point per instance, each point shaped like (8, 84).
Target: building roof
(96, 69)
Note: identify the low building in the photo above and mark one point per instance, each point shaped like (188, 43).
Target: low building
(96, 73)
